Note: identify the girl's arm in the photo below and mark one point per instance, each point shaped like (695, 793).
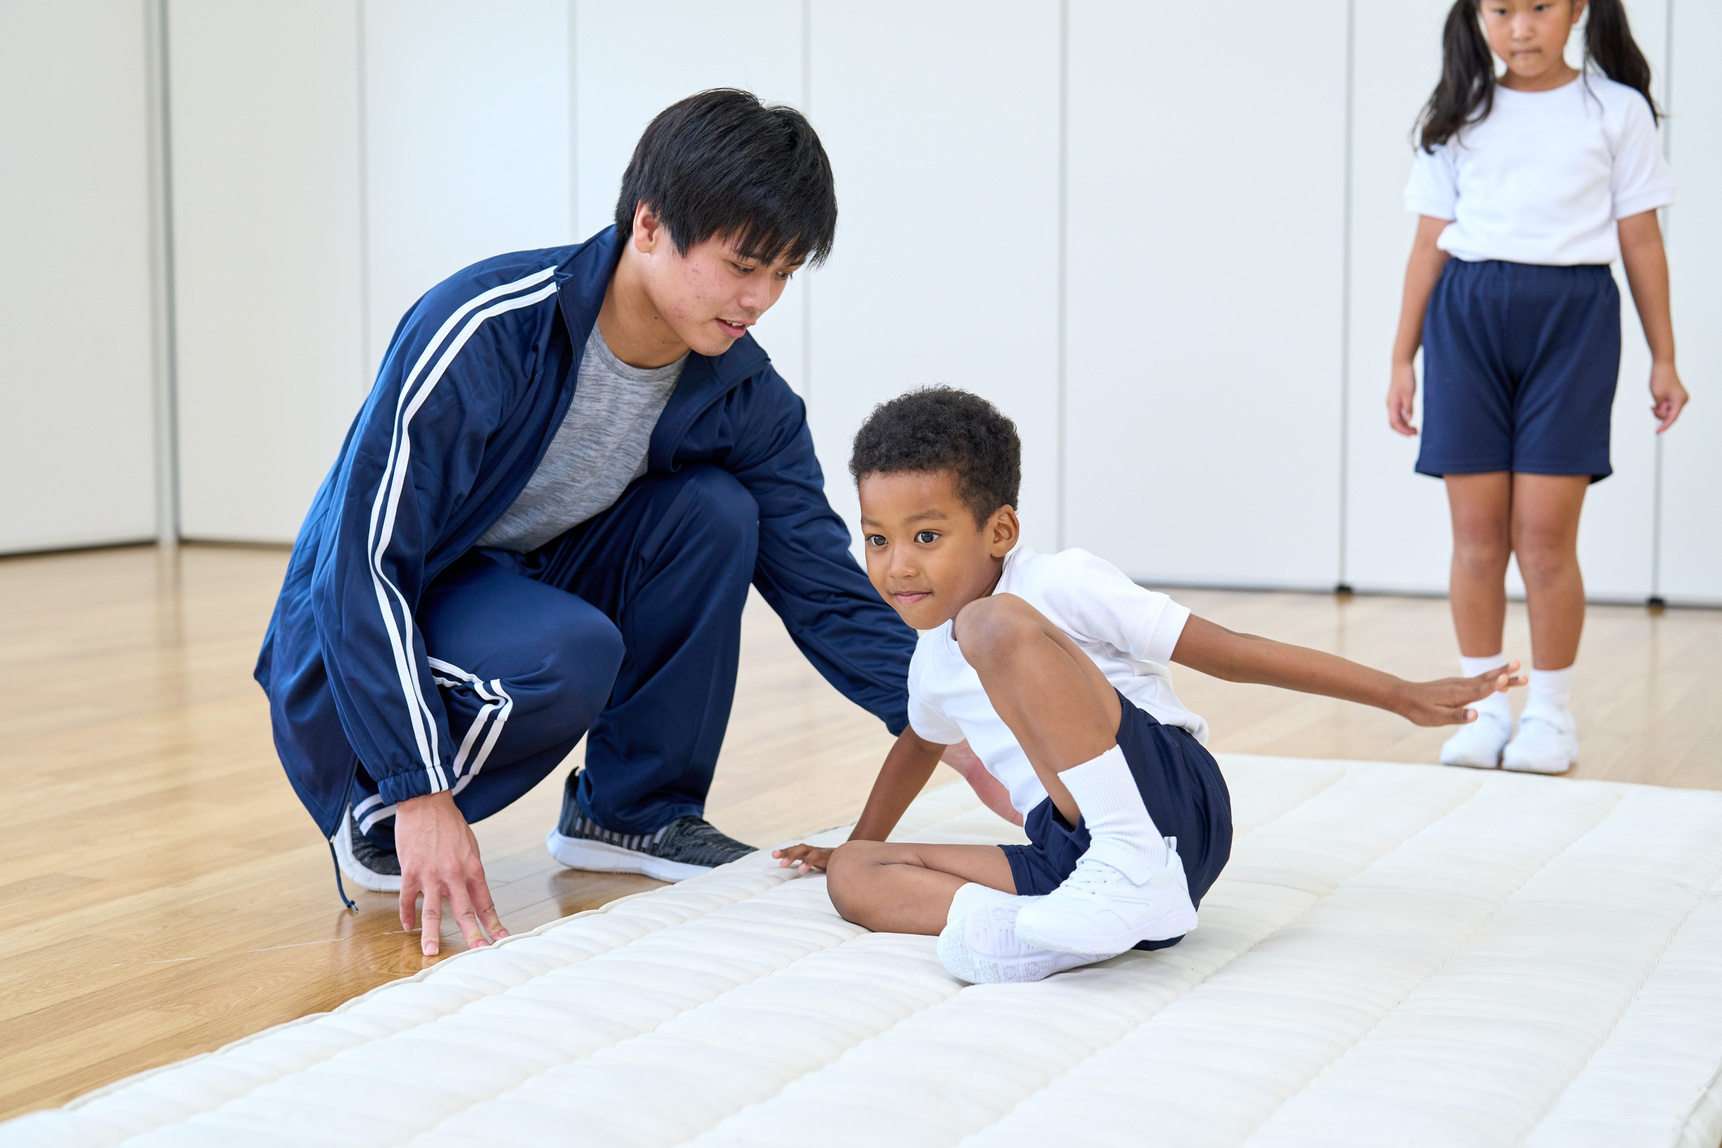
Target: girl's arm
(1647, 274)
(1421, 272)
(1219, 652)
(904, 774)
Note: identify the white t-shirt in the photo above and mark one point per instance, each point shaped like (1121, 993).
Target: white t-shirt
(1128, 631)
(1543, 178)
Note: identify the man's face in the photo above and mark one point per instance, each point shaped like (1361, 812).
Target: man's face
(710, 296)
(925, 554)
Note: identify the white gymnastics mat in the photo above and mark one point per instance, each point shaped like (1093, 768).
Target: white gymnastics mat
(1396, 954)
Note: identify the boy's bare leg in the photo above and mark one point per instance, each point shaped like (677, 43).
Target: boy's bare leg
(1053, 697)
(893, 887)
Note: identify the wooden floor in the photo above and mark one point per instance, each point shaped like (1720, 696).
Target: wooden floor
(162, 892)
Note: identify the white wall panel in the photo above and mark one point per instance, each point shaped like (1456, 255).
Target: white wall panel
(1206, 226)
(265, 117)
(1617, 532)
(1398, 536)
(1692, 452)
(633, 60)
(467, 140)
(76, 453)
(942, 125)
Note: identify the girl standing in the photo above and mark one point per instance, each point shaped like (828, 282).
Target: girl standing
(1528, 186)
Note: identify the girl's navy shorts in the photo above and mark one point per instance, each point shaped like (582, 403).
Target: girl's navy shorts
(1520, 363)
(1180, 784)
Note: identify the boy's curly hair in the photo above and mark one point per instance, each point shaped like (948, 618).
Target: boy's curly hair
(943, 428)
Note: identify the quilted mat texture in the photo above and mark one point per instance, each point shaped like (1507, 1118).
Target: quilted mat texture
(1396, 954)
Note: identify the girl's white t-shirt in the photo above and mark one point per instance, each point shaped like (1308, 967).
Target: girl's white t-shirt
(1544, 177)
(1130, 633)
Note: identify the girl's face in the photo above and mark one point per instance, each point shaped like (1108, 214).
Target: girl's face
(1530, 37)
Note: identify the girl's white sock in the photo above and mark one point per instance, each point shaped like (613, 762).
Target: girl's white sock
(1119, 826)
(1551, 689)
(1495, 704)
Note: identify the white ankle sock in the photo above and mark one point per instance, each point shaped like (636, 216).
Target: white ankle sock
(1551, 689)
(1495, 704)
(1118, 823)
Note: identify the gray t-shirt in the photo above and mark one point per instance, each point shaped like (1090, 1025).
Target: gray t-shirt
(598, 450)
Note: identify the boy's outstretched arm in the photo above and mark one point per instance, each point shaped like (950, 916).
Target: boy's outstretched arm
(901, 779)
(1221, 653)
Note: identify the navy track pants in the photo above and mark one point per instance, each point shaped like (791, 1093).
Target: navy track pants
(627, 627)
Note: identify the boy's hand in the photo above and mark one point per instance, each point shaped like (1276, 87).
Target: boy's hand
(1447, 701)
(805, 858)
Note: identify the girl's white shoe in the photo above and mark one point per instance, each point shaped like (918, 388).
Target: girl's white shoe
(1479, 744)
(1547, 742)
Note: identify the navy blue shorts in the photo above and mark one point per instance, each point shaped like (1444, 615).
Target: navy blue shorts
(1180, 784)
(1520, 363)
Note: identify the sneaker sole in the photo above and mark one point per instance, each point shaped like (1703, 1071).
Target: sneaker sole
(1174, 924)
(597, 857)
(1546, 770)
(1496, 764)
(350, 867)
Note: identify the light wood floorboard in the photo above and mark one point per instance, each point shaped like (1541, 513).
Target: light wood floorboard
(163, 893)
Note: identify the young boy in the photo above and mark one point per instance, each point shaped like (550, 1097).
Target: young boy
(1053, 666)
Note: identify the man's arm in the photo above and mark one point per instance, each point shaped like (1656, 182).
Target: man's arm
(410, 462)
(806, 571)
(1221, 653)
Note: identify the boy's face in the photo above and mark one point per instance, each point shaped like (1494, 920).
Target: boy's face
(925, 554)
(710, 296)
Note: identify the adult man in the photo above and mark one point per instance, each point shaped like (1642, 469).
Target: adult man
(545, 520)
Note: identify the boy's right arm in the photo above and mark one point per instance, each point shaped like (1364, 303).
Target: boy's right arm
(1421, 272)
(904, 774)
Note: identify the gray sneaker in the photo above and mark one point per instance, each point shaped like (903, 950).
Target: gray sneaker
(686, 847)
(368, 864)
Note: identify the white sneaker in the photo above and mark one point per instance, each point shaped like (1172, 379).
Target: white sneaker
(982, 948)
(1102, 909)
(1479, 744)
(1547, 742)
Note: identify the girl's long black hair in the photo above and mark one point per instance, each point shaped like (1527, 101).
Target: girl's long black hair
(1466, 92)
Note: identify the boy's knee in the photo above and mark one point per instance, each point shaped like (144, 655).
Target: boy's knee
(989, 629)
(843, 876)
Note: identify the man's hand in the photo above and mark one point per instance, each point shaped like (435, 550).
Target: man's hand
(439, 858)
(1446, 702)
(806, 858)
(988, 788)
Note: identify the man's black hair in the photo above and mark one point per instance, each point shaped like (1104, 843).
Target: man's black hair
(943, 428)
(722, 163)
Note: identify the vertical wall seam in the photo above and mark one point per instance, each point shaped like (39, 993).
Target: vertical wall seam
(1344, 584)
(164, 356)
(364, 142)
(1656, 495)
(574, 121)
(807, 277)
(1063, 262)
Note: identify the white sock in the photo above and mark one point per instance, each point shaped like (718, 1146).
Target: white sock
(1496, 703)
(1550, 689)
(1119, 826)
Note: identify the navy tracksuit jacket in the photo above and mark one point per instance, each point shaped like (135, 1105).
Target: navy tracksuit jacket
(401, 661)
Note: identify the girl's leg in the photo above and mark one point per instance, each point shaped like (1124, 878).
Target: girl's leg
(1481, 506)
(1545, 537)
(907, 888)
